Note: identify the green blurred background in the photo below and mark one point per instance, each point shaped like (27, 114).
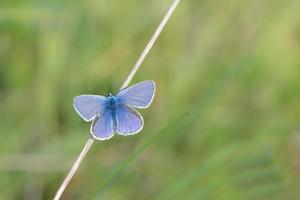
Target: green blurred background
(233, 66)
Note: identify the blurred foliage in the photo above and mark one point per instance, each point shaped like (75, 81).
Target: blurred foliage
(232, 65)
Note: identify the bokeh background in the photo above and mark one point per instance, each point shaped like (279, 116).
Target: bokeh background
(225, 123)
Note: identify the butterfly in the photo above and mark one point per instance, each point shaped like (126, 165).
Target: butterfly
(115, 113)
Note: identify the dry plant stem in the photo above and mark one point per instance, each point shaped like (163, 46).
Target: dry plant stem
(135, 68)
(150, 44)
(74, 168)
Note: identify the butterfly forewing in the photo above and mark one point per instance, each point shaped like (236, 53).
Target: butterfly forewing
(88, 106)
(128, 121)
(102, 126)
(139, 95)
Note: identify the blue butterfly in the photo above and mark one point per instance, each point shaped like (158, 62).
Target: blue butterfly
(116, 114)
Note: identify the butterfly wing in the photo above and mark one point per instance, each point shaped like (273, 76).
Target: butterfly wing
(128, 121)
(88, 106)
(103, 127)
(139, 95)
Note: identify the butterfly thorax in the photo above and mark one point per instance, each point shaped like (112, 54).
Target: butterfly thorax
(112, 102)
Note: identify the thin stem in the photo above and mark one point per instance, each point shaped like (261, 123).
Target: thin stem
(150, 44)
(137, 65)
(74, 168)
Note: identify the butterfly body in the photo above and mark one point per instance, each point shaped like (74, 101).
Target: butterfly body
(112, 103)
(116, 113)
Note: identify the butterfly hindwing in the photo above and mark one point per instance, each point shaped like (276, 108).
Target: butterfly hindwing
(127, 121)
(139, 95)
(88, 106)
(103, 126)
